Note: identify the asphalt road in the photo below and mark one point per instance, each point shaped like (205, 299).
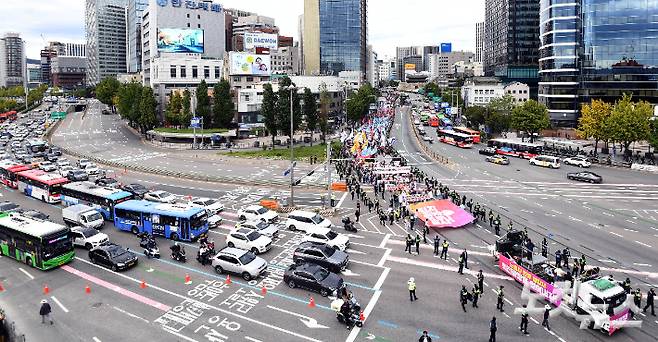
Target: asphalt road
(107, 137)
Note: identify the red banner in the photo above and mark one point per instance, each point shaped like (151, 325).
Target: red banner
(441, 214)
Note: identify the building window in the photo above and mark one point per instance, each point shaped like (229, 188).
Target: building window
(250, 79)
(236, 79)
(195, 73)
(183, 71)
(188, 15)
(198, 16)
(206, 72)
(172, 71)
(188, 24)
(198, 25)
(216, 72)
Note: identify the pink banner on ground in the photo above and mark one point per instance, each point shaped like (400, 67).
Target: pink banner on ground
(623, 316)
(538, 285)
(442, 214)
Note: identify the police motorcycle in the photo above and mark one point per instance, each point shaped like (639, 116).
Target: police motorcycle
(348, 309)
(348, 224)
(151, 250)
(178, 252)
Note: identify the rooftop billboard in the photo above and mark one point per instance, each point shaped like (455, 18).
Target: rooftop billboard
(243, 63)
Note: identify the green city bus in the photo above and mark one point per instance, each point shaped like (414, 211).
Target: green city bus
(39, 244)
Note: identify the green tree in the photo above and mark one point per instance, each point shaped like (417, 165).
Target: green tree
(173, 112)
(107, 89)
(592, 121)
(358, 103)
(433, 88)
(147, 107)
(531, 117)
(128, 100)
(287, 90)
(452, 96)
(186, 115)
(475, 115)
(269, 111)
(630, 121)
(498, 114)
(222, 104)
(310, 111)
(653, 135)
(203, 103)
(323, 117)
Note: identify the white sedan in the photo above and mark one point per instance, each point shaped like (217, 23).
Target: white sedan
(160, 196)
(267, 229)
(257, 213)
(577, 161)
(249, 240)
(211, 205)
(329, 237)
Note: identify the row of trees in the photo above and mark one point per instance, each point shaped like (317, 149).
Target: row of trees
(7, 102)
(135, 103)
(217, 112)
(623, 122)
(276, 109)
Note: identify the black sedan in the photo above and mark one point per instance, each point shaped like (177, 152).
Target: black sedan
(585, 176)
(35, 214)
(113, 257)
(313, 277)
(107, 182)
(136, 189)
(488, 151)
(321, 254)
(7, 206)
(77, 176)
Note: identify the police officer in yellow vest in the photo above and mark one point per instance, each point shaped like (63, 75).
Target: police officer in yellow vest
(411, 284)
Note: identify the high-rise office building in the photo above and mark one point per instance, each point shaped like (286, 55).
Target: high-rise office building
(511, 41)
(134, 14)
(335, 36)
(479, 41)
(106, 39)
(400, 54)
(596, 49)
(54, 49)
(12, 60)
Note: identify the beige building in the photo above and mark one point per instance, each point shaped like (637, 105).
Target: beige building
(311, 38)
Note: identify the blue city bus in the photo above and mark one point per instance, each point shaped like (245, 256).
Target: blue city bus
(100, 198)
(171, 221)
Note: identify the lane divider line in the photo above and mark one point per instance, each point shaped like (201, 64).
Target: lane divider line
(59, 304)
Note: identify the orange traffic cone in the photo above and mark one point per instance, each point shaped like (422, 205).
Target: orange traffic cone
(87, 289)
(311, 303)
(45, 289)
(1, 287)
(361, 316)
(142, 284)
(263, 290)
(188, 279)
(228, 279)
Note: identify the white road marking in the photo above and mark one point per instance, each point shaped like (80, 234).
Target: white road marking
(95, 339)
(643, 244)
(342, 198)
(534, 320)
(309, 322)
(26, 273)
(130, 314)
(384, 241)
(384, 257)
(252, 339)
(615, 234)
(59, 304)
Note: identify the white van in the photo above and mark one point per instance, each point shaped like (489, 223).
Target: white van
(306, 221)
(546, 161)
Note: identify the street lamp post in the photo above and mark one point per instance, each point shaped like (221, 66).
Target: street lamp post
(292, 160)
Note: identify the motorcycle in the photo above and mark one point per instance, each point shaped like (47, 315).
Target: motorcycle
(152, 252)
(179, 255)
(354, 312)
(144, 239)
(348, 225)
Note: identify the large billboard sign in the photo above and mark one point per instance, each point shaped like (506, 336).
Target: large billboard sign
(191, 4)
(180, 40)
(446, 47)
(262, 40)
(410, 66)
(243, 63)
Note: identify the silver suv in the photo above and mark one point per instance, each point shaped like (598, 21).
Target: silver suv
(238, 261)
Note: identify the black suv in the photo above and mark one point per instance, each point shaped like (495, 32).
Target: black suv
(321, 254)
(113, 257)
(136, 189)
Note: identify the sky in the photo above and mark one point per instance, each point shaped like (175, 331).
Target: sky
(391, 23)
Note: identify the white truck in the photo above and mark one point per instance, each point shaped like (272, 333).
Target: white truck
(82, 215)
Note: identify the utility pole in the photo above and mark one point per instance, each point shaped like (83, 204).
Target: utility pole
(328, 166)
(292, 160)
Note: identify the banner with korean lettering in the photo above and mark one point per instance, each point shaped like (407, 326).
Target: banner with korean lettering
(538, 285)
(442, 214)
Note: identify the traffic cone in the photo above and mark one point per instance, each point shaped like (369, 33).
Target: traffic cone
(361, 316)
(45, 289)
(311, 303)
(263, 290)
(87, 289)
(188, 279)
(228, 279)
(142, 285)
(1, 287)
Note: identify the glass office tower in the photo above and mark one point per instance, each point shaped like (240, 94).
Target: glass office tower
(620, 50)
(560, 35)
(343, 36)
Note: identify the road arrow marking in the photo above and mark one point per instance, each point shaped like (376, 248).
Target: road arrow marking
(349, 272)
(150, 270)
(308, 321)
(349, 250)
(370, 336)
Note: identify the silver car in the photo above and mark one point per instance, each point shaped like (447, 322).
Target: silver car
(238, 261)
(270, 230)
